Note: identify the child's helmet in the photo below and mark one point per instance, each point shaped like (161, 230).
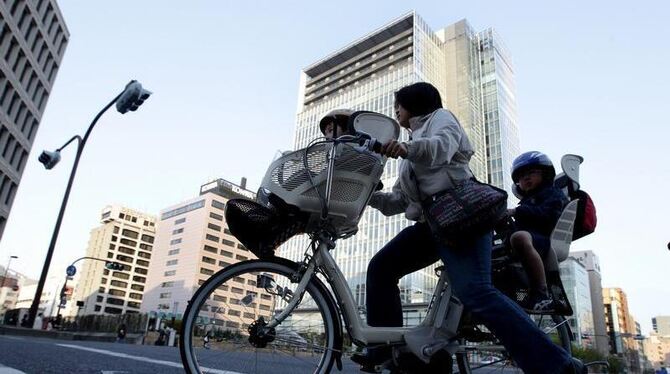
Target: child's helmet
(536, 160)
(335, 115)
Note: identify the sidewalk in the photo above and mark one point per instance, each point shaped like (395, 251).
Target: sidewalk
(69, 335)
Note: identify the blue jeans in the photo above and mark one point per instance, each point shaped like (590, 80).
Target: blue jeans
(469, 267)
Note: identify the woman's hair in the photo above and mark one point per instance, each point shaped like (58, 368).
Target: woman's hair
(419, 98)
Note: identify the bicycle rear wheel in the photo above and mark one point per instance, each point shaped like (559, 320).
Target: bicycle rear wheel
(483, 349)
(223, 328)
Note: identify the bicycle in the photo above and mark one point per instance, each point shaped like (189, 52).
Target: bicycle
(269, 311)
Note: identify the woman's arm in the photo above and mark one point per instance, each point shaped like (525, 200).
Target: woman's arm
(440, 146)
(390, 203)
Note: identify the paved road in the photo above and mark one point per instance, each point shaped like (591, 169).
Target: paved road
(36, 355)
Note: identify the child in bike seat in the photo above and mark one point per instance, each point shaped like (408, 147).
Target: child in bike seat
(535, 217)
(334, 123)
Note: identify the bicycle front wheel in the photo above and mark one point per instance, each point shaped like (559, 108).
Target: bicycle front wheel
(224, 324)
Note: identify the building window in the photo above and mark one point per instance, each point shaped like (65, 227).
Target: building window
(129, 242)
(116, 229)
(217, 217)
(165, 295)
(212, 238)
(228, 243)
(141, 271)
(226, 253)
(181, 220)
(142, 262)
(113, 301)
(240, 246)
(120, 275)
(130, 233)
(135, 296)
(124, 258)
(117, 293)
(137, 287)
(148, 238)
(132, 304)
(218, 205)
(170, 273)
(120, 284)
(177, 231)
(146, 247)
(167, 284)
(175, 241)
(210, 249)
(126, 250)
(223, 264)
(206, 271)
(137, 278)
(214, 227)
(144, 255)
(97, 308)
(241, 258)
(111, 310)
(208, 260)
(173, 252)
(226, 231)
(234, 312)
(171, 262)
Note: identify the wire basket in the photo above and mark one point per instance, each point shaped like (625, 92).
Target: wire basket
(299, 177)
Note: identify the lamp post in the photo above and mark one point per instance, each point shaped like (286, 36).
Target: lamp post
(4, 277)
(128, 100)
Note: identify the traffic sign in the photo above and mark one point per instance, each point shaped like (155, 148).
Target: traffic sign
(71, 271)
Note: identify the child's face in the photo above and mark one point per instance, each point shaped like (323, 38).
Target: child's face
(530, 179)
(328, 130)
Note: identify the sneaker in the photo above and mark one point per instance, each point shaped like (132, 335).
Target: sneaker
(540, 304)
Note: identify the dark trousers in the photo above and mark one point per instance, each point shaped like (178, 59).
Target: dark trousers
(469, 267)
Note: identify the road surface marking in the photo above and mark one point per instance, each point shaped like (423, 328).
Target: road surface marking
(144, 359)
(8, 370)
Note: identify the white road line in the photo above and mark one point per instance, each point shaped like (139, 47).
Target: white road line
(144, 359)
(8, 370)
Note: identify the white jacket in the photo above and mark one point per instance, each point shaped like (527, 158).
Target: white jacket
(439, 152)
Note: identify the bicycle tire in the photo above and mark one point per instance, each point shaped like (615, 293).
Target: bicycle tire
(315, 291)
(464, 360)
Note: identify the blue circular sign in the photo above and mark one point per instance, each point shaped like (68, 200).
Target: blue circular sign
(71, 271)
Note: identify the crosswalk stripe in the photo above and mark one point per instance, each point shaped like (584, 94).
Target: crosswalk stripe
(144, 359)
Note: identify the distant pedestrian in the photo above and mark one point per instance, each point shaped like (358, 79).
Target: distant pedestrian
(121, 333)
(38, 324)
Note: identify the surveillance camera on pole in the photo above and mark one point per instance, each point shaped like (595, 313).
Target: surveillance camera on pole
(49, 159)
(132, 97)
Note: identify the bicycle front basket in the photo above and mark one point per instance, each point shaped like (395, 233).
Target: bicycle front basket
(261, 229)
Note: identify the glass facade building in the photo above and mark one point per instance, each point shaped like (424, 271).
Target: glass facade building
(576, 283)
(499, 107)
(364, 76)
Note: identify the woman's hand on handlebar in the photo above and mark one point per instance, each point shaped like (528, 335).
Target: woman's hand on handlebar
(394, 149)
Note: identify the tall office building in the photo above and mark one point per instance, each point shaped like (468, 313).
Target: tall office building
(592, 265)
(364, 75)
(33, 37)
(192, 243)
(126, 236)
(621, 327)
(575, 280)
(499, 106)
(661, 325)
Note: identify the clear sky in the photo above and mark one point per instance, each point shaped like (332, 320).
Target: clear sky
(590, 80)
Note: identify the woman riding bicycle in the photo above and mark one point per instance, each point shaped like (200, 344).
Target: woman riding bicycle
(438, 151)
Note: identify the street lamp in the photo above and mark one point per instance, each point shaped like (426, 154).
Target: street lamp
(4, 277)
(129, 99)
